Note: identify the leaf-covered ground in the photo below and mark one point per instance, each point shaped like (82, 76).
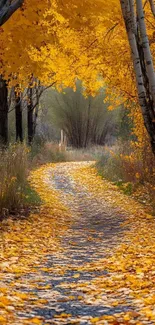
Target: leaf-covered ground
(88, 256)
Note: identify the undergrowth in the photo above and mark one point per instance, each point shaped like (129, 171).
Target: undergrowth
(131, 170)
(15, 191)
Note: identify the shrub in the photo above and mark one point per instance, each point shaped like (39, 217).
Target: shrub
(126, 163)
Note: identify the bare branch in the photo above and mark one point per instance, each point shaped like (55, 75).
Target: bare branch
(152, 5)
(110, 30)
(40, 94)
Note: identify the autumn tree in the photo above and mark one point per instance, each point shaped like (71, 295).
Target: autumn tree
(22, 63)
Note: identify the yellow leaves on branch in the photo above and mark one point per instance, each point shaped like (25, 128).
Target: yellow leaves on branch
(68, 40)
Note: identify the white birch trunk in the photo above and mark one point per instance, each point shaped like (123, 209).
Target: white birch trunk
(133, 17)
(146, 49)
(128, 12)
(135, 54)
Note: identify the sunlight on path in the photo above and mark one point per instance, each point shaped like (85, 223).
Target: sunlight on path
(86, 258)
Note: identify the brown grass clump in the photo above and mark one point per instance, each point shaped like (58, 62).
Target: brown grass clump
(13, 174)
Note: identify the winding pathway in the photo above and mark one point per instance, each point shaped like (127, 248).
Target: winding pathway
(67, 286)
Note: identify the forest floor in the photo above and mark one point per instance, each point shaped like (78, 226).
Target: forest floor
(87, 256)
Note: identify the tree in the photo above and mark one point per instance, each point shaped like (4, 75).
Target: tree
(34, 93)
(142, 61)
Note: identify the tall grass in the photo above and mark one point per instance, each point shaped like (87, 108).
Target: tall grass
(13, 175)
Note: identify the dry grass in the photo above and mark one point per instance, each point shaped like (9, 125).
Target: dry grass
(53, 152)
(87, 154)
(48, 152)
(132, 169)
(13, 166)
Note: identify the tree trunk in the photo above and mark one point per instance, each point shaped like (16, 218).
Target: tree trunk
(36, 107)
(87, 136)
(7, 9)
(142, 62)
(3, 112)
(18, 116)
(30, 122)
(146, 49)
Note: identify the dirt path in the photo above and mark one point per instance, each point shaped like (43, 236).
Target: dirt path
(95, 227)
(68, 284)
(94, 231)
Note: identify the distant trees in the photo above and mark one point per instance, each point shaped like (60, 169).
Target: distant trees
(27, 115)
(85, 121)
